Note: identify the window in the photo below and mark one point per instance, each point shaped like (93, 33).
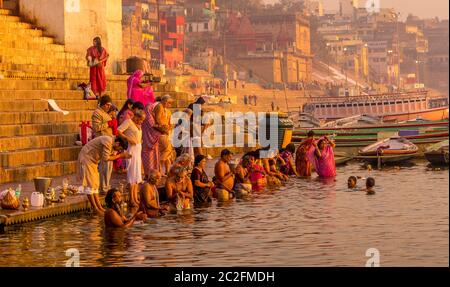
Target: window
(190, 28)
(206, 26)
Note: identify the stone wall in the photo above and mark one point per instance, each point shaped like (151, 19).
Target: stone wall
(75, 23)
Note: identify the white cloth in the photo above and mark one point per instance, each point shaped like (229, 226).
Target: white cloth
(134, 164)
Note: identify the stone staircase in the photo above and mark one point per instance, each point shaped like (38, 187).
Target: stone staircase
(35, 141)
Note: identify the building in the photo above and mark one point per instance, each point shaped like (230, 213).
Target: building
(200, 16)
(347, 8)
(140, 30)
(314, 7)
(172, 24)
(437, 62)
(275, 48)
(352, 56)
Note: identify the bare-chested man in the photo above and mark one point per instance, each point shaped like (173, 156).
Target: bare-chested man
(149, 195)
(179, 190)
(224, 178)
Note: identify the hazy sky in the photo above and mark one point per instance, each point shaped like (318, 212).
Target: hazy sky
(421, 8)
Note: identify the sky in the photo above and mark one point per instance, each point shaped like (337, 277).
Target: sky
(421, 8)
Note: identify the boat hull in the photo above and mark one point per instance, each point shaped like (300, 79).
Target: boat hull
(436, 114)
(388, 159)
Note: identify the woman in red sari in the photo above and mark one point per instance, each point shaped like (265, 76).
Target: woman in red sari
(302, 162)
(97, 57)
(137, 91)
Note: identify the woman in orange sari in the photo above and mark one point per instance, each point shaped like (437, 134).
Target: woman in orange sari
(302, 163)
(97, 57)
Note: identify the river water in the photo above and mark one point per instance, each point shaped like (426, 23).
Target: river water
(305, 223)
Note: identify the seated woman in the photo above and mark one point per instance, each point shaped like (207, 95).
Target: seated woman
(274, 167)
(149, 195)
(179, 190)
(257, 174)
(323, 158)
(184, 161)
(137, 91)
(288, 157)
(243, 184)
(113, 214)
(273, 177)
(201, 183)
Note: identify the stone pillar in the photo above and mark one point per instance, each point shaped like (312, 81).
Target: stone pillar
(74, 23)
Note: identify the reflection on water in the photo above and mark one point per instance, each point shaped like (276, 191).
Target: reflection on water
(308, 222)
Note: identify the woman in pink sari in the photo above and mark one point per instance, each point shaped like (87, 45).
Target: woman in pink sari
(322, 158)
(138, 92)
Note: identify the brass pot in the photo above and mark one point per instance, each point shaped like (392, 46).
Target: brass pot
(25, 203)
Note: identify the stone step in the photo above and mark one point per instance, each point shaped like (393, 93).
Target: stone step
(38, 141)
(33, 44)
(11, 70)
(9, 18)
(57, 95)
(23, 32)
(38, 156)
(38, 129)
(49, 51)
(15, 25)
(41, 60)
(9, 118)
(68, 84)
(29, 172)
(41, 105)
(5, 12)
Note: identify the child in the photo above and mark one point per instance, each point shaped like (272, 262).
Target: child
(370, 183)
(351, 182)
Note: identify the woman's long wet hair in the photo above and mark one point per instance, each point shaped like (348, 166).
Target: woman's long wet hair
(99, 44)
(125, 107)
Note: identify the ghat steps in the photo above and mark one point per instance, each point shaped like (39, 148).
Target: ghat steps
(35, 141)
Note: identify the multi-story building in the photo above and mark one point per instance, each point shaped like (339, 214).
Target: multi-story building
(275, 48)
(140, 29)
(172, 24)
(200, 16)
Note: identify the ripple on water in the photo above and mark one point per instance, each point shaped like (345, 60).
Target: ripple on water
(308, 222)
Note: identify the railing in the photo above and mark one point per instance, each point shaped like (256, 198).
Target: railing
(370, 98)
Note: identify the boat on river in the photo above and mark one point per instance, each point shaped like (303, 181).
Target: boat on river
(390, 107)
(437, 154)
(390, 150)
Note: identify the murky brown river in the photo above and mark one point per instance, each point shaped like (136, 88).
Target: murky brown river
(306, 223)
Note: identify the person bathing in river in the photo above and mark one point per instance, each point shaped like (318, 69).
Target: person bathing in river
(258, 177)
(323, 158)
(351, 182)
(370, 183)
(287, 155)
(183, 160)
(302, 162)
(179, 190)
(113, 214)
(149, 195)
(243, 185)
(201, 184)
(224, 178)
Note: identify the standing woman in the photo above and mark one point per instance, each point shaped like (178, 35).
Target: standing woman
(323, 158)
(126, 111)
(137, 91)
(302, 163)
(97, 57)
(130, 130)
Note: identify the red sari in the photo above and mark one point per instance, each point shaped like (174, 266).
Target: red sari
(97, 76)
(302, 162)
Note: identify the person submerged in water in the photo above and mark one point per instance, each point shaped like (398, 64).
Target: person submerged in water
(370, 183)
(113, 214)
(351, 182)
(149, 195)
(223, 176)
(179, 190)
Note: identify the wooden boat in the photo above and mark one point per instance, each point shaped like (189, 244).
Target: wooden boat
(437, 154)
(342, 158)
(394, 146)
